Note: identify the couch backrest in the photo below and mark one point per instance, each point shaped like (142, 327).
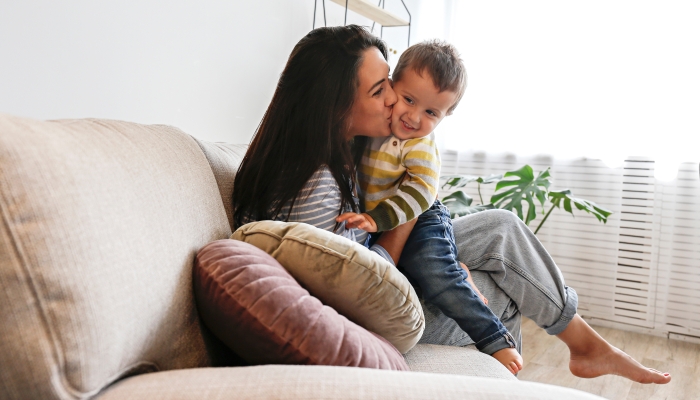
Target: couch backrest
(99, 225)
(224, 159)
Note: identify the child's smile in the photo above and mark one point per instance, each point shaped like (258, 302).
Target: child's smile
(407, 126)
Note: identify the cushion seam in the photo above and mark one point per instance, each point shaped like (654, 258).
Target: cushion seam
(40, 308)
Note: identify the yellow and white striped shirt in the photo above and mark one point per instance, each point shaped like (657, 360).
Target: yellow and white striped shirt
(388, 198)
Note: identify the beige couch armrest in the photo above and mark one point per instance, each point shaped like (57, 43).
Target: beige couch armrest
(320, 382)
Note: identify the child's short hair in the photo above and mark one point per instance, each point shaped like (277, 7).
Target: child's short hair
(441, 60)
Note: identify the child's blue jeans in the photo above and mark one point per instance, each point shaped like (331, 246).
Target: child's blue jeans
(429, 259)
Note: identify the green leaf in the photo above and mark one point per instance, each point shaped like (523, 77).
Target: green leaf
(459, 181)
(565, 196)
(523, 173)
(458, 197)
(524, 188)
(459, 204)
(489, 179)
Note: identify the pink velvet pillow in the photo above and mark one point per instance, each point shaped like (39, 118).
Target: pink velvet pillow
(253, 305)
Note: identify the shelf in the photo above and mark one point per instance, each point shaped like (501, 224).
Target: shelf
(376, 14)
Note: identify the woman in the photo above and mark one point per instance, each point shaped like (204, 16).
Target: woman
(333, 93)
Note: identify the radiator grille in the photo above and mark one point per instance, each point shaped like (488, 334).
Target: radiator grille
(641, 270)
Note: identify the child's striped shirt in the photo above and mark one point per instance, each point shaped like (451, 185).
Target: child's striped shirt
(388, 198)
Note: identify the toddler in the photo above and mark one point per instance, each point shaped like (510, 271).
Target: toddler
(399, 176)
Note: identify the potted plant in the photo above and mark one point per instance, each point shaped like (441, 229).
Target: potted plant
(512, 190)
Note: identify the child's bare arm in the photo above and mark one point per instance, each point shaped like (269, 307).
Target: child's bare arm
(471, 282)
(393, 241)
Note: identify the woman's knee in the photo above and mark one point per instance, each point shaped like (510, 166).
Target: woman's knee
(488, 231)
(500, 217)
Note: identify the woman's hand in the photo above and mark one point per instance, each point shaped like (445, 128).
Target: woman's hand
(361, 221)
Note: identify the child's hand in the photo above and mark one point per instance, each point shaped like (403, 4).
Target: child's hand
(362, 221)
(510, 358)
(471, 282)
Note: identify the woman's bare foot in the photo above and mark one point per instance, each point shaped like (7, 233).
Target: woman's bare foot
(510, 358)
(615, 362)
(593, 356)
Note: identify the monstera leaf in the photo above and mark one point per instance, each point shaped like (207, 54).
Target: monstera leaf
(458, 181)
(490, 179)
(564, 197)
(524, 188)
(512, 189)
(459, 204)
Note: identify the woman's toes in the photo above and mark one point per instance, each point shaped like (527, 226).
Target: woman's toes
(659, 377)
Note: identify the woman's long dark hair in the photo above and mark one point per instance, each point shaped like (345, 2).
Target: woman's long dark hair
(305, 125)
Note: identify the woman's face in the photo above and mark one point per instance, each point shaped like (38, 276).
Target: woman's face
(371, 112)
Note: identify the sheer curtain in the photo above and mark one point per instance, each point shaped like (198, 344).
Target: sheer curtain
(596, 79)
(567, 85)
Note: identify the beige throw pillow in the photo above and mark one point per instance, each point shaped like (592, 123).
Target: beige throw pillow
(345, 275)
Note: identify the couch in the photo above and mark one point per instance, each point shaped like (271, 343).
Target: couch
(100, 222)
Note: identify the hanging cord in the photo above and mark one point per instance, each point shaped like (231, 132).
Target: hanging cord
(409, 22)
(346, 13)
(374, 22)
(323, 3)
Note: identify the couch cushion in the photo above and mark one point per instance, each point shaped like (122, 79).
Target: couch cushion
(224, 159)
(99, 225)
(337, 383)
(455, 360)
(253, 305)
(344, 275)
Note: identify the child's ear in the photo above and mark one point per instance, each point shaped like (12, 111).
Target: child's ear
(451, 110)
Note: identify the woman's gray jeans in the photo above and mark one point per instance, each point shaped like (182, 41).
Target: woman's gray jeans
(513, 271)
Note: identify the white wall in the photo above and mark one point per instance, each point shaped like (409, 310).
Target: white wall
(208, 67)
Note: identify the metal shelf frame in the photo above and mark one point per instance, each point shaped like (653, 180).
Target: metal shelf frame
(380, 4)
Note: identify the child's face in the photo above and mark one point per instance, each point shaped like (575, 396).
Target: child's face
(421, 106)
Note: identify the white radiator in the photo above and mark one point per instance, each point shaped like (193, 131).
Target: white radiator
(641, 270)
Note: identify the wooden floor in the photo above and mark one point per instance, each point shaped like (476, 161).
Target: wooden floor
(546, 360)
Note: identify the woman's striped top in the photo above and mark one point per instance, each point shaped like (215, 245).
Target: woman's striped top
(318, 204)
